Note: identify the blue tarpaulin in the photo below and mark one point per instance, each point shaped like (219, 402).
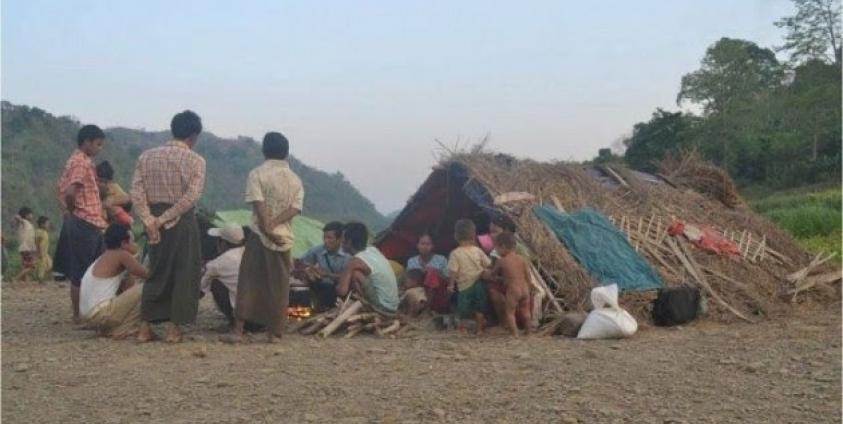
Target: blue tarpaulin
(600, 248)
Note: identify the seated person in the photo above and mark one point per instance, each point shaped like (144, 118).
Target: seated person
(221, 273)
(324, 263)
(116, 203)
(414, 297)
(367, 272)
(435, 269)
(99, 305)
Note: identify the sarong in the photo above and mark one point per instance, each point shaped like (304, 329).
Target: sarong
(263, 287)
(171, 293)
(80, 244)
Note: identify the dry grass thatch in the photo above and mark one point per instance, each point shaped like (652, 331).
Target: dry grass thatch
(690, 190)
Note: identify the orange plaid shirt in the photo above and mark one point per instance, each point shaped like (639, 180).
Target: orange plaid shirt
(79, 169)
(172, 173)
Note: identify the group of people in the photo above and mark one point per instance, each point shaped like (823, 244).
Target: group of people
(115, 292)
(483, 276)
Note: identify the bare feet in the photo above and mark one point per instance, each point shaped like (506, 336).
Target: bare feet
(234, 338)
(145, 334)
(173, 335)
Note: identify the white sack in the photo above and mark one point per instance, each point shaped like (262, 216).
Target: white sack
(607, 320)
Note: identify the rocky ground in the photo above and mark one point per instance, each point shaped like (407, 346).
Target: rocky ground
(782, 370)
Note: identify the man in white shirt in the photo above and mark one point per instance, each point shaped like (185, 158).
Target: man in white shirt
(221, 274)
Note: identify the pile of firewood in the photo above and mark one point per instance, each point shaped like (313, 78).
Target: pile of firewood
(352, 317)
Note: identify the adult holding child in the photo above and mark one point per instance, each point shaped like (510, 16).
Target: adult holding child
(80, 240)
(166, 186)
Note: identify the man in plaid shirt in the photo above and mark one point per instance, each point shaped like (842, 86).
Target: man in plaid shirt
(167, 184)
(80, 241)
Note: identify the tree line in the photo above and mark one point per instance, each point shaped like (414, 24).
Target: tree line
(769, 122)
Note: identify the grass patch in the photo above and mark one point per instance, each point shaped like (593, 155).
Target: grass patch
(814, 218)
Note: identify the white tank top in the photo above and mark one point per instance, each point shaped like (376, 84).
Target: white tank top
(97, 290)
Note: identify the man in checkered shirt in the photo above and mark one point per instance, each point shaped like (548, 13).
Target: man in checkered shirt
(167, 184)
(80, 241)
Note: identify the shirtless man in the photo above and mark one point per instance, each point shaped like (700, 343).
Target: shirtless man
(513, 270)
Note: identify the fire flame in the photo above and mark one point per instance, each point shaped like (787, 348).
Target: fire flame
(299, 312)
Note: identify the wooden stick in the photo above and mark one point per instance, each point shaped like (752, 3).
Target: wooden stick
(746, 248)
(813, 280)
(818, 260)
(740, 243)
(341, 318)
(396, 324)
(760, 247)
(353, 332)
(678, 249)
(617, 177)
(763, 304)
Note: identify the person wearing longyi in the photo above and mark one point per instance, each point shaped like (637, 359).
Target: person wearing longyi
(80, 240)
(263, 288)
(166, 187)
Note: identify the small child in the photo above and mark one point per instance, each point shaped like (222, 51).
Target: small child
(515, 275)
(116, 203)
(465, 266)
(26, 243)
(414, 299)
(42, 243)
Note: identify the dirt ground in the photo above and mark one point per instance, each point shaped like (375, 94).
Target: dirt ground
(782, 370)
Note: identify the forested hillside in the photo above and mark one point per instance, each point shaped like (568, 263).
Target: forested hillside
(770, 120)
(36, 144)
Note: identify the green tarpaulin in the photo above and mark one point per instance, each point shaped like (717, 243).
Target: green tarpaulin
(600, 248)
(308, 231)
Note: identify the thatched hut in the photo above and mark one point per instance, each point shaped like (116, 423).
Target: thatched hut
(752, 284)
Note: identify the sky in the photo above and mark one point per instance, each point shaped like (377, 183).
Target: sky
(367, 87)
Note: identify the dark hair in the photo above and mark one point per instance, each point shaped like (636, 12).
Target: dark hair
(89, 133)
(357, 234)
(105, 170)
(465, 230)
(275, 146)
(128, 207)
(42, 220)
(504, 222)
(185, 125)
(24, 211)
(334, 227)
(506, 239)
(428, 235)
(414, 274)
(115, 235)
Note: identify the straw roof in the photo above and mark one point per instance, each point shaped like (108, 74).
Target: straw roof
(643, 206)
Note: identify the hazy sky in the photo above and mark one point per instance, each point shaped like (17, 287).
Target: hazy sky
(366, 87)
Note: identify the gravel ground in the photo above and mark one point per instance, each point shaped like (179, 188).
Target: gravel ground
(781, 370)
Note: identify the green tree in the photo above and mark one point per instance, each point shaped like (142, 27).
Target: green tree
(651, 140)
(813, 32)
(734, 77)
(731, 70)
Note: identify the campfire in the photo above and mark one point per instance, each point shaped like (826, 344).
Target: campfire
(299, 312)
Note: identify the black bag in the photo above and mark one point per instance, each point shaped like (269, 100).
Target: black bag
(676, 305)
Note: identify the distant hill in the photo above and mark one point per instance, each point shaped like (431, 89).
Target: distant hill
(36, 144)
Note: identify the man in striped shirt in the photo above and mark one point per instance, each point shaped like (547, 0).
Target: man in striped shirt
(167, 184)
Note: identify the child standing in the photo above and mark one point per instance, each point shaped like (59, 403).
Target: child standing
(26, 243)
(512, 270)
(42, 243)
(465, 266)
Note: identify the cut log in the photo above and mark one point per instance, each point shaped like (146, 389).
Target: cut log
(341, 318)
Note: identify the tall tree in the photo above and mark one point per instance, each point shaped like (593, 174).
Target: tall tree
(813, 32)
(731, 70)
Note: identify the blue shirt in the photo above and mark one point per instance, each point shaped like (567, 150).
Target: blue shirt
(330, 262)
(439, 262)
